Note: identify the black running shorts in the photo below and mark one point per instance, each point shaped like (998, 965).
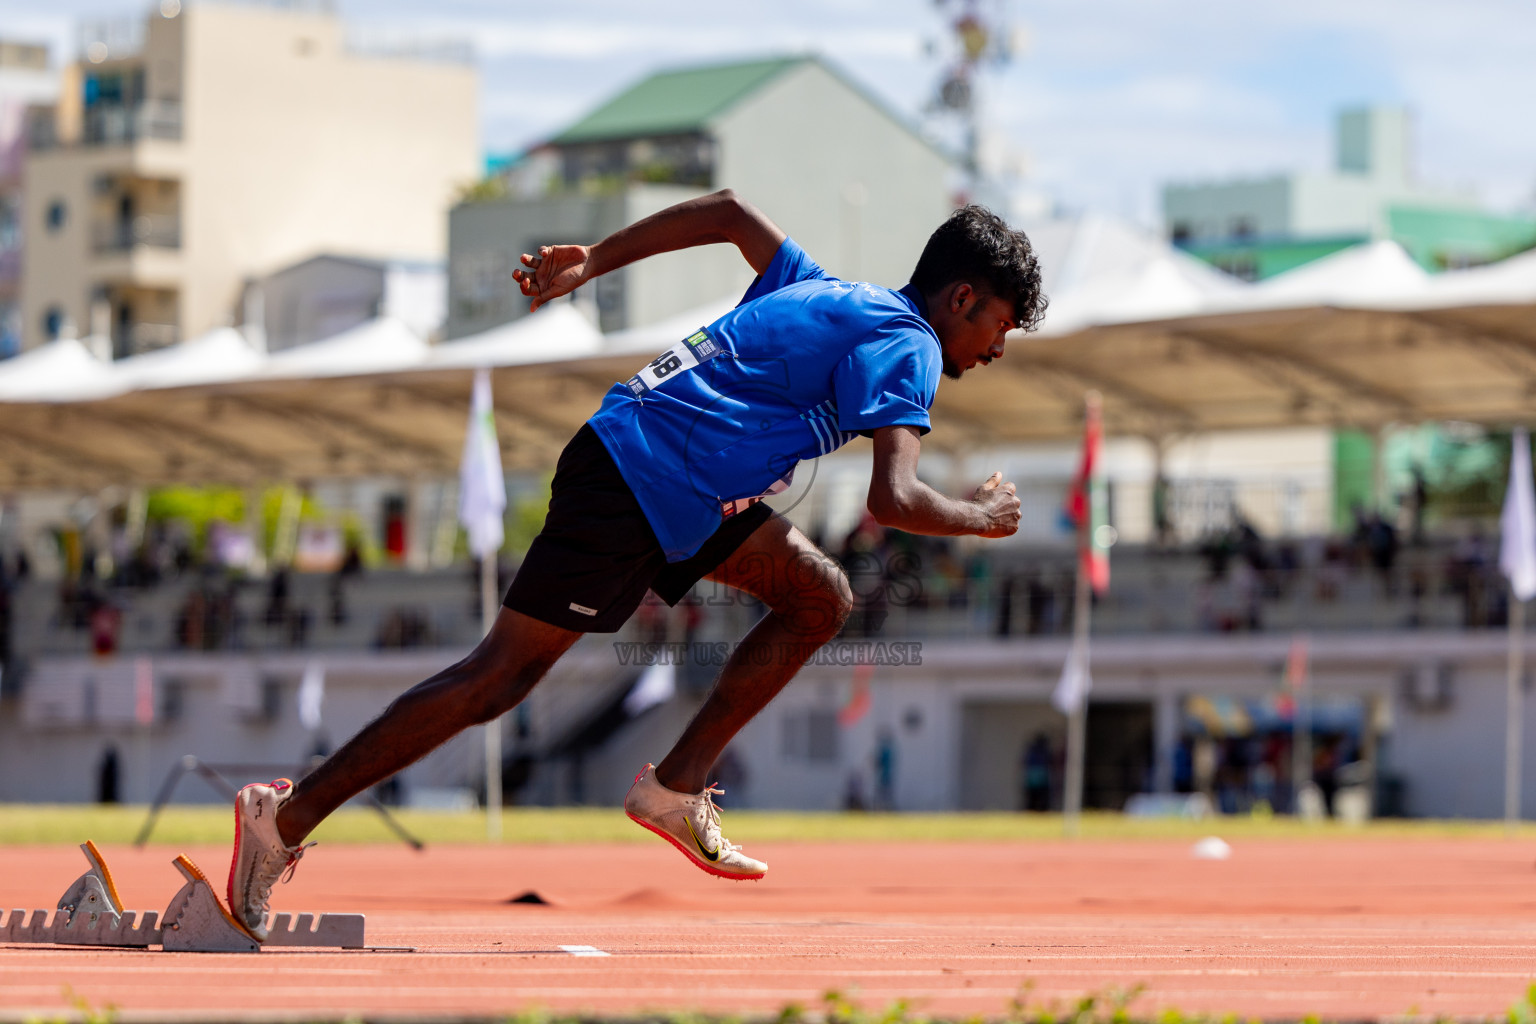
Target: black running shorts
(590, 566)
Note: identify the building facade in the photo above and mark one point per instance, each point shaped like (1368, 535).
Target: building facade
(28, 89)
(850, 181)
(1257, 228)
(220, 142)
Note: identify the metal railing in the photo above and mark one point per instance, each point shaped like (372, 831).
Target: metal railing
(145, 337)
(111, 124)
(156, 230)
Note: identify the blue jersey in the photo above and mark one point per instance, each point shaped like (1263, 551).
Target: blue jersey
(800, 366)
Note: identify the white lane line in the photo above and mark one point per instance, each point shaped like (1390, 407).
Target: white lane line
(584, 951)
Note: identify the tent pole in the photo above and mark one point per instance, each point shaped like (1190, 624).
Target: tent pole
(1514, 713)
(1072, 796)
(488, 608)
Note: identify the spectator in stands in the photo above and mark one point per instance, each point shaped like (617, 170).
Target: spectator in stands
(885, 770)
(338, 598)
(405, 628)
(299, 621)
(107, 773)
(1005, 584)
(277, 597)
(1162, 521)
(191, 620)
(1414, 502)
(1381, 545)
(351, 566)
(106, 624)
(1040, 604)
(865, 557)
(1037, 774)
(853, 795)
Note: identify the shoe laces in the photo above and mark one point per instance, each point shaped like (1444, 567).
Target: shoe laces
(283, 874)
(712, 818)
(293, 859)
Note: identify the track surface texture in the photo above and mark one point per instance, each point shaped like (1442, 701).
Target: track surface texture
(1349, 930)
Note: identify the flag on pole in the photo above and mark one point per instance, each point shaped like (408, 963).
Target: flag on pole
(656, 685)
(482, 488)
(1296, 663)
(1087, 504)
(1076, 681)
(1295, 674)
(859, 699)
(143, 691)
(311, 695)
(1517, 550)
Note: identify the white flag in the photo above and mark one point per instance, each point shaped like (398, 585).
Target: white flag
(656, 685)
(1517, 552)
(482, 488)
(1074, 686)
(311, 695)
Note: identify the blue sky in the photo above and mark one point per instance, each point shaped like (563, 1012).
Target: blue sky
(1108, 99)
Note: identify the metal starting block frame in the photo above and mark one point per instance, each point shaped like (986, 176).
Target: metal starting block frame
(90, 913)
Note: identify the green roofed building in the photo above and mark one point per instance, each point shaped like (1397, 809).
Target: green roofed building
(852, 181)
(1257, 228)
(676, 102)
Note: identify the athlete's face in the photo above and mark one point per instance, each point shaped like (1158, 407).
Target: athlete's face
(972, 327)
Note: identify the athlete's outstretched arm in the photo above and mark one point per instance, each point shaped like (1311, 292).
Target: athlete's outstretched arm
(897, 498)
(723, 216)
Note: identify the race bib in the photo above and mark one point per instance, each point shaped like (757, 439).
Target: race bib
(697, 348)
(731, 508)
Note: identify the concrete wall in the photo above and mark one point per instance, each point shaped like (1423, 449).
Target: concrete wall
(485, 240)
(319, 298)
(1211, 211)
(290, 146)
(850, 183)
(855, 187)
(959, 719)
(300, 147)
(673, 283)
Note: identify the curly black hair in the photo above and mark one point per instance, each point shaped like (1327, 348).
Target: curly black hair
(974, 245)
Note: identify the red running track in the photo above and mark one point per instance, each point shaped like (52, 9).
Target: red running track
(1346, 929)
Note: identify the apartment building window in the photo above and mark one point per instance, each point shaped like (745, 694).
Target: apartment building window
(53, 322)
(810, 735)
(10, 329)
(57, 214)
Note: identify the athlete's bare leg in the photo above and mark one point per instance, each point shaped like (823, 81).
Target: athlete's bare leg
(808, 598)
(497, 675)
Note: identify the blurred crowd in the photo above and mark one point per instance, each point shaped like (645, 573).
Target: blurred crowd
(1235, 580)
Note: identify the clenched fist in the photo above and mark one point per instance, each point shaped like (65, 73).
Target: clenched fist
(999, 504)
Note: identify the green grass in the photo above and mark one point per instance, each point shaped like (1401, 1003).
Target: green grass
(183, 825)
(1112, 1005)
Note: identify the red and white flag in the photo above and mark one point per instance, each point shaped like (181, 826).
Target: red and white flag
(859, 699)
(1087, 504)
(1296, 664)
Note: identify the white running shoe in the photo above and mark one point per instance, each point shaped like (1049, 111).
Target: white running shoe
(690, 823)
(260, 856)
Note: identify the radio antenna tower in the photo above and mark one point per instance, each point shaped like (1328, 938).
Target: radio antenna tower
(981, 37)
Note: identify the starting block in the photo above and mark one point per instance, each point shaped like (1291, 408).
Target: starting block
(90, 913)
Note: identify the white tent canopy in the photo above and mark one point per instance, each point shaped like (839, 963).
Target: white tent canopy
(63, 371)
(559, 331)
(220, 355)
(1361, 338)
